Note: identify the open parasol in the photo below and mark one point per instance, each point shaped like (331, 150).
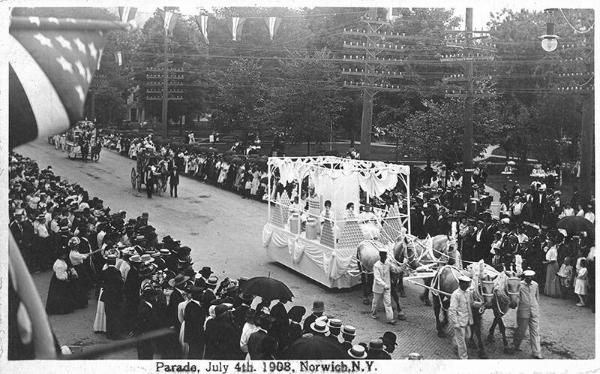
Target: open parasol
(267, 288)
(576, 224)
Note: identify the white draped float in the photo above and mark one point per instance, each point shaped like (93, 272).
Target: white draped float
(327, 254)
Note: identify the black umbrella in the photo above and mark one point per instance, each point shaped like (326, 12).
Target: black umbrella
(314, 348)
(267, 288)
(576, 224)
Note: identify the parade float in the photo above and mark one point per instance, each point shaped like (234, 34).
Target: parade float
(321, 244)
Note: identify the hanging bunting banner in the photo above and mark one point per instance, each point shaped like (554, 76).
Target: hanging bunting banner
(99, 58)
(272, 24)
(237, 23)
(204, 27)
(127, 14)
(170, 19)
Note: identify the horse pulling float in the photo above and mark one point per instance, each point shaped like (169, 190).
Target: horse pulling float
(323, 246)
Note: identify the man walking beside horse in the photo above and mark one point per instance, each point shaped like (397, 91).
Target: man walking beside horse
(460, 314)
(382, 287)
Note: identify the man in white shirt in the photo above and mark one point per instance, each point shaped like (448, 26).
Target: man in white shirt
(382, 287)
(589, 213)
(528, 314)
(247, 330)
(460, 314)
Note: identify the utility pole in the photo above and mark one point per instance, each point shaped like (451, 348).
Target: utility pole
(367, 96)
(468, 119)
(379, 63)
(586, 178)
(165, 92)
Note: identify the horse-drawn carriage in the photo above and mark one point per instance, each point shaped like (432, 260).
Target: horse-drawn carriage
(145, 159)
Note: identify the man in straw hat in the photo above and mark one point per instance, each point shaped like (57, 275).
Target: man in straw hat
(348, 334)
(335, 327)
(146, 321)
(357, 352)
(178, 284)
(382, 287)
(460, 314)
(528, 314)
(376, 351)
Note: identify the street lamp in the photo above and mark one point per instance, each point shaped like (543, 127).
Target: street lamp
(550, 40)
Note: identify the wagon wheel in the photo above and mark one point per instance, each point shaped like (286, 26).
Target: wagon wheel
(133, 178)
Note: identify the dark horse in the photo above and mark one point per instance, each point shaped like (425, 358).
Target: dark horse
(367, 255)
(445, 282)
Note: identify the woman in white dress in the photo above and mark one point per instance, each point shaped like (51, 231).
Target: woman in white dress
(581, 281)
(255, 182)
(223, 173)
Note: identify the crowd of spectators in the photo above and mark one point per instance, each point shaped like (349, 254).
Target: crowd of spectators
(521, 233)
(143, 284)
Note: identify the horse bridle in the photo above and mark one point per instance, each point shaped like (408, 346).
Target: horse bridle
(428, 251)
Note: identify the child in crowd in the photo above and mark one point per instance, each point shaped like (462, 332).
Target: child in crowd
(581, 282)
(496, 249)
(565, 275)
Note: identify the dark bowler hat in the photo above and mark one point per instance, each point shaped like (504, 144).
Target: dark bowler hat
(184, 251)
(206, 272)
(222, 308)
(376, 345)
(296, 313)
(318, 306)
(389, 337)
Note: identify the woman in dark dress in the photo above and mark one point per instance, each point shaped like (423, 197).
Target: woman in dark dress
(280, 325)
(60, 297)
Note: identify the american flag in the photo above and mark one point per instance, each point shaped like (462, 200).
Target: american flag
(51, 64)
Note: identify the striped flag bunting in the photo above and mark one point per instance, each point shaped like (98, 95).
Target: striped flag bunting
(204, 26)
(272, 24)
(237, 24)
(170, 20)
(127, 14)
(51, 64)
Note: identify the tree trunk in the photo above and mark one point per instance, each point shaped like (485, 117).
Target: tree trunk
(308, 147)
